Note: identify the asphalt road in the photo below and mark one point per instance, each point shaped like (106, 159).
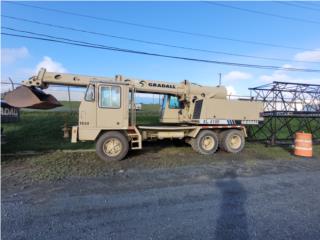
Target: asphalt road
(186, 203)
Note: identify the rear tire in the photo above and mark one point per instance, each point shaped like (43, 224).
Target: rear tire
(205, 143)
(112, 146)
(232, 141)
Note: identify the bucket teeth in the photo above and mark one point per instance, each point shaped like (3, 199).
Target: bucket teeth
(31, 97)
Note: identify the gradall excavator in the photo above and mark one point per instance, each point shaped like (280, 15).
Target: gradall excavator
(201, 115)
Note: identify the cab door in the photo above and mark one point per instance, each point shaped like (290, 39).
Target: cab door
(88, 109)
(112, 109)
(171, 110)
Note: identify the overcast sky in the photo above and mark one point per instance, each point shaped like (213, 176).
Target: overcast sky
(23, 57)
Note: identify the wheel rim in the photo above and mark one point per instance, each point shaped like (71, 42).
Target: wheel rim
(235, 141)
(207, 143)
(112, 147)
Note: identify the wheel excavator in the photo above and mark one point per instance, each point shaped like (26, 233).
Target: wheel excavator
(202, 116)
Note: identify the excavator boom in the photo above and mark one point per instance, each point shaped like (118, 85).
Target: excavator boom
(30, 95)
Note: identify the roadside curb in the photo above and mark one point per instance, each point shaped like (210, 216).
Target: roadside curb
(77, 150)
(30, 153)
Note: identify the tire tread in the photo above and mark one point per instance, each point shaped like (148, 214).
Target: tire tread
(112, 134)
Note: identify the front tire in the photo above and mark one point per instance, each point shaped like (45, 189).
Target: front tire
(112, 146)
(205, 143)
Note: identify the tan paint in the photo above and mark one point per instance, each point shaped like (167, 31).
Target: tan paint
(93, 118)
(172, 134)
(113, 118)
(89, 134)
(74, 134)
(231, 109)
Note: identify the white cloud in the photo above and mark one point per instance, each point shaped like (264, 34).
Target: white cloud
(308, 56)
(11, 55)
(275, 76)
(231, 90)
(283, 76)
(50, 65)
(286, 66)
(237, 75)
(19, 74)
(280, 76)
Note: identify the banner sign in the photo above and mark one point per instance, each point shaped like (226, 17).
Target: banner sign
(9, 113)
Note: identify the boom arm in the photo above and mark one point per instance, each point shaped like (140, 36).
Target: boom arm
(30, 96)
(44, 78)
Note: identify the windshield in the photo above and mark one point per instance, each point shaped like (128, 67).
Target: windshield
(174, 102)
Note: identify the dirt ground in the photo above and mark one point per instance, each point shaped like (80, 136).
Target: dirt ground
(164, 191)
(27, 169)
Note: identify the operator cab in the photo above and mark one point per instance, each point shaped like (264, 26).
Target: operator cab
(104, 106)
(171, 109)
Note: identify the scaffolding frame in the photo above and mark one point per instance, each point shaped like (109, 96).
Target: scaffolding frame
(288, 108)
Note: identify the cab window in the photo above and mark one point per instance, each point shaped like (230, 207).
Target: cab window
(110, 97)
(89, 96)
(174, 102)
(164, 102)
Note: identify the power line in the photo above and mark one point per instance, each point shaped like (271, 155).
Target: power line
(155, 54)
(54, 37)
(110, 48)
(203, 35)
(264, 13)
(315, 4)
(10, 83)
(149, 42)
(293, 4)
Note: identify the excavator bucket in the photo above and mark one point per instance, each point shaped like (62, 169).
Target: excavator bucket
(31, 97)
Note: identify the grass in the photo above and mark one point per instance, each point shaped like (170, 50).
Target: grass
(42, 130)
(149, 115)
(282, 131)
(67, 106)
(39, 131)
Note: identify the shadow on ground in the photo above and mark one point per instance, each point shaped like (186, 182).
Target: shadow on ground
(232, 220)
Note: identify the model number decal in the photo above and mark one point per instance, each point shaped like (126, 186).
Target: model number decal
(213, 121)
(228, 122)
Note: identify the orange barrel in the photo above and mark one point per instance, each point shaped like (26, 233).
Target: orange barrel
(303, 144)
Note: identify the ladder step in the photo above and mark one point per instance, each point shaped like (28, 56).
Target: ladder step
(136, 141)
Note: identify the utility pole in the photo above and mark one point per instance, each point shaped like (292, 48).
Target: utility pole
(219, 79)
(12, 84)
